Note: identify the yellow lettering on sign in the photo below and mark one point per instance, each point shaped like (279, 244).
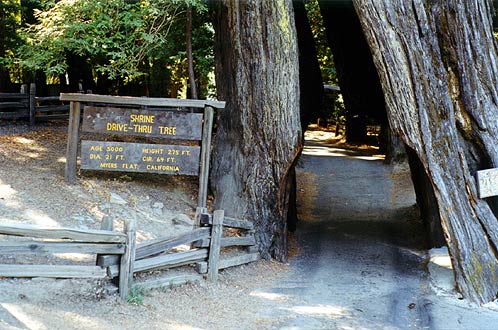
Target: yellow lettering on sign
(142, 128)
(96, 148)
(167, 130)
(95, 156)
(114, 127)
(129, 166)
(163, 168)
(142, 118)
(108, 165)
(152, 151)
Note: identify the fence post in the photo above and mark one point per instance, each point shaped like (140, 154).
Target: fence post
(72, 141)
(214, 248)
(127, 261)
(32, 110)
(205, 156)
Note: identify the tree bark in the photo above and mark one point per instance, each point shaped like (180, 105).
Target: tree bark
(426, 201)
(310, 76)
(437, 62)
(259, 134)
(190, 57)
(356, 72)
(79, 72)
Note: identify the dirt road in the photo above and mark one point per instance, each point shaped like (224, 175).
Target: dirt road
(363, 246)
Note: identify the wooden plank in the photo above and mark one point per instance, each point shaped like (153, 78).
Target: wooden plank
(80, 235)
(13, 105)
(205, 156)
(47, 98)
(14, 96)
(238, 260)
(214, 248)
(238, 223)
(32, 95)
(201, 267)
(59, 247)
(231, 241)
(52, 117)
(199, 211)
(160, 245)
(51, 108)
(169, 281)
(171, 124)
(139, 157)
(487, 182)
(72, 142)
(206, 219)
(108, 260)
(171, 260)
(53, 271)
(126, 267)
(14, 114)
(164, 261)
(145, 101)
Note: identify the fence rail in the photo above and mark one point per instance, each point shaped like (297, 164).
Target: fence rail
(26, 104)
(118, 254)
(61, 240)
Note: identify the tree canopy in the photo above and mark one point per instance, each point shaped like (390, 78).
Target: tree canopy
(122, 41)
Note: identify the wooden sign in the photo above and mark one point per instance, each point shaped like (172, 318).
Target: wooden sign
(116, 115)
(487, 183)
(139, 157)
(136, 122)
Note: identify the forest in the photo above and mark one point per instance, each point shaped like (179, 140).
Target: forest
(425, 72)
(119, 47)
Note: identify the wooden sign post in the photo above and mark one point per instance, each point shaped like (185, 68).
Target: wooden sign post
(164, 119)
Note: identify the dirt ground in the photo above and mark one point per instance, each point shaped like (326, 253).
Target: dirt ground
(33, 190)
(325, 285)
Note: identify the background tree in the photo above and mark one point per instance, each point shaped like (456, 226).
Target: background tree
(259, 134)
(356, 72)
(437, 65)
(116, 46)
(10, 20)
(310, 76)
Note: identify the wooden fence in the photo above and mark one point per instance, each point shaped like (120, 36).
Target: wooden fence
(117, 253)
(62, 240)
(211, 250)
(26, 104)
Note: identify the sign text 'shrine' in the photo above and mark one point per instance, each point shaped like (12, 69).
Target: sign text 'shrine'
(135, 157)
(162, 124)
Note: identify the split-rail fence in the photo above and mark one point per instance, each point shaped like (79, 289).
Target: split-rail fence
(26, 104)
(216, 242)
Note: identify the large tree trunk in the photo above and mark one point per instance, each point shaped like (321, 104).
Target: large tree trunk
(190, 57)
(437, 62)
(356, 72)
(310, 76)
(259, 134)
(79, 73)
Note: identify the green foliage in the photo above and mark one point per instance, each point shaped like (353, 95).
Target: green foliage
(126, 42)
(136, 295)
(10, 18)
(118, 36)
(333, 103)
(325, 57)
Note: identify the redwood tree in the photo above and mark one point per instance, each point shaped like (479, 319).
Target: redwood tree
(437, 62)
(259, 135)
